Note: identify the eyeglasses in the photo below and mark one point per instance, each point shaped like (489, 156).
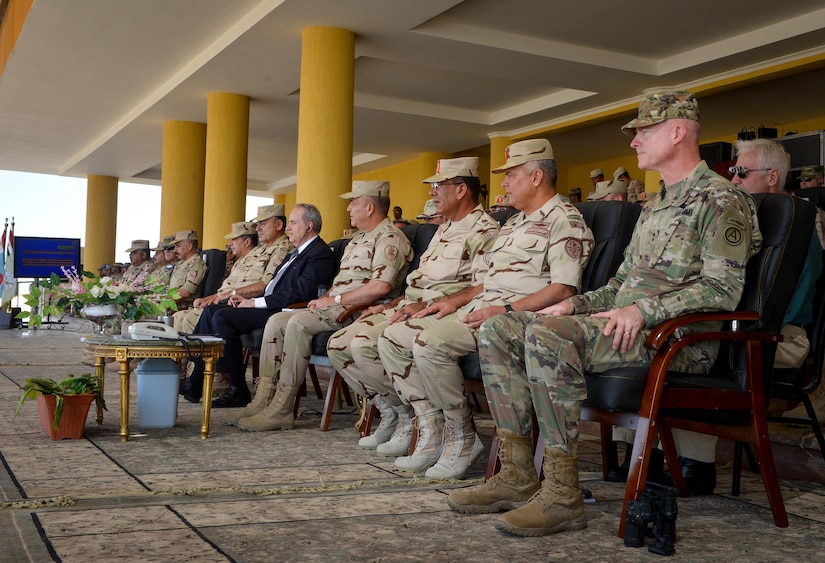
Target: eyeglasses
(741, 171)
(439, 185)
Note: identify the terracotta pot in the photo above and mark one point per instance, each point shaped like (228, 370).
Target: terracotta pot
(73, 421)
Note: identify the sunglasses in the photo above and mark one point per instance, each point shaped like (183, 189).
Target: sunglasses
(741, 171)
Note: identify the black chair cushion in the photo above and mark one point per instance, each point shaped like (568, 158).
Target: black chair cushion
(319, 342)
(253, 339)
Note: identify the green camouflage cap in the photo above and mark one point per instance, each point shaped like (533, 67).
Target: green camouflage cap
(659, 106)
(811, 172)
(165, 243)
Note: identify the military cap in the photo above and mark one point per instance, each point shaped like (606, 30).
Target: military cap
(241, 228)
(429, 210)
(165, 243)
(184, 235)
(811, 172)
(596, 172)
(656, 107)
(267, 211)
(374, 188)
(449, 168)
(137, 245)
(618, 172)
(525, 151)
(608, 187)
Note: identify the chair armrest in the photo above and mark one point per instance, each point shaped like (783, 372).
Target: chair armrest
(661, 332)
(345, 314)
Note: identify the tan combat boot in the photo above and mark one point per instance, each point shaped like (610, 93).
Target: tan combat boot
(399, 442)
(263, 394)
(429, 424)
(462, 448)
(557, 506)
(510, 488)
(278, 414)
(386, 427)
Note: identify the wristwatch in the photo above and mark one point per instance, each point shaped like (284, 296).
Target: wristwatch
(234, 292)
(429, 302)
(338, 299)
(508, 308)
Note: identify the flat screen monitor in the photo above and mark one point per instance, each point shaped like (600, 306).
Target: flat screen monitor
(40, 257)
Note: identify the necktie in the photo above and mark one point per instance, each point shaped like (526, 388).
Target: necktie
(270, 287)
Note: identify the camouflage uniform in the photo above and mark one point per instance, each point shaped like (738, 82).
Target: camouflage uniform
(383, 254)
(458, 253)
(273, 253)
(132, 273)
(188, 274)
(247, 270)
(163, 274)
(551, 245)
(687, 254)
(636, 192)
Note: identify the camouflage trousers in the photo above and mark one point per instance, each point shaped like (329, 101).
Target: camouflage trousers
(353, 351)
(421, 357)
(287, 342)
(185, 321)
(539, 361)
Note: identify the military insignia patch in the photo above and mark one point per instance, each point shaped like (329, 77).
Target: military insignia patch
(573, 248)
(391, 252)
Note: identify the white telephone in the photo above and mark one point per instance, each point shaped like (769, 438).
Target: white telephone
(152, 331)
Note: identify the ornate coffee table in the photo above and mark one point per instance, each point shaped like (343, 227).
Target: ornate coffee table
(123, 349)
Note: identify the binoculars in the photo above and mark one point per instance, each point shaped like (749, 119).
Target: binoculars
(652, 515)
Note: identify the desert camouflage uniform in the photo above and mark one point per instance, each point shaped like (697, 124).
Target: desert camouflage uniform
(382, 254)
(247, 270)
(188, 274)
(636, 192)
(687, 254)
(163, 274)
(551, 245)
(458, 254)
(132, 273)
(273, 254)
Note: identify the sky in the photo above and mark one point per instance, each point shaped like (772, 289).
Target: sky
(55, 206)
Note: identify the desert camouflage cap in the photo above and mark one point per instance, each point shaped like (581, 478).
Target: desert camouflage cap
(449, 168)
(429, 211)
(656, 107)
(596, 172)
(374, 188)
(137, 245)
(618, 172)
(608, 187)
(525, 151)
(241, 228)
(811, 172)
(267, 211)
(184, 235)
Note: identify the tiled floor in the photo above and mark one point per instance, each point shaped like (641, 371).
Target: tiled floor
(167, 495)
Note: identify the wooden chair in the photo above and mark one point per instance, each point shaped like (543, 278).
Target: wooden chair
(730, 401)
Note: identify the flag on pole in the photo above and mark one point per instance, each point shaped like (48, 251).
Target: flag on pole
(3, 259)
(9, 283)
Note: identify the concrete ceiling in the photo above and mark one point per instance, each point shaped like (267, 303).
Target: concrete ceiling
(90, 82)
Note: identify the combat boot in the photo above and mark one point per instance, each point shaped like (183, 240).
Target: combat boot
(278, 414)
(556, 507)
(462, 448)
(510, 488)
(399, 443)
(429, 424)
(385, 428)
(263, 394)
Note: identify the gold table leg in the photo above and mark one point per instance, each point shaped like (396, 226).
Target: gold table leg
(124, 399)
(208, 379)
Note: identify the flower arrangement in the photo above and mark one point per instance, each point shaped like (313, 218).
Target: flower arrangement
(147, 296)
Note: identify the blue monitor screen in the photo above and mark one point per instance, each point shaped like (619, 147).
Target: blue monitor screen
(39, 257)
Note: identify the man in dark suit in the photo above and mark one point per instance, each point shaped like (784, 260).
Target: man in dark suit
(310, 265)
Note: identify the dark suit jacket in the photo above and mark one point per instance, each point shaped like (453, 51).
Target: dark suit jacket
(313, 267)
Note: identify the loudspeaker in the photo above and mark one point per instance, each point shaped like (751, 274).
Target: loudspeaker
(714, 153)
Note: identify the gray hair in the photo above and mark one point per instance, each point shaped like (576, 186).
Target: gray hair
(311, 215)
(769, 154)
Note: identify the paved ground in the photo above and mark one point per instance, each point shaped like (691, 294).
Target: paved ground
(167, 495)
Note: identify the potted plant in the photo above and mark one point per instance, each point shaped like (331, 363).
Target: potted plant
(146, 297)
(63, 404)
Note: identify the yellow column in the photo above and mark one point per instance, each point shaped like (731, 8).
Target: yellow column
(227, 147)
(651, 182)
(497, 146)
(101, 221)
(183, 165)
(325, 124)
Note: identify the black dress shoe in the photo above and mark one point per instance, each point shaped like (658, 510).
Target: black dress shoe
(700, 476)
(232, 397)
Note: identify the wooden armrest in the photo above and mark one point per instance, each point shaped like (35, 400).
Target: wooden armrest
(661, 332)
(347, 313)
